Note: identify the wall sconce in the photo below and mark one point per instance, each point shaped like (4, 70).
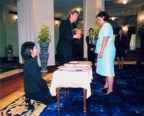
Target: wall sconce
(16, 17)
(124, 1)
(15, 14)
(125, 28)
(57, 22)
(113, 18)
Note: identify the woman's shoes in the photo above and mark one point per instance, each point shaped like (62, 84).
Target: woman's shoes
(103, 90)
(30, 105)
(107, 93)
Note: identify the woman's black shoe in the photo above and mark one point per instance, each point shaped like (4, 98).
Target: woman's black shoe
(108, 93)
(103, 90)
(30, 105)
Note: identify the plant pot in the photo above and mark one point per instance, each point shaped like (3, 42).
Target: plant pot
(44, 56)
(9, 55)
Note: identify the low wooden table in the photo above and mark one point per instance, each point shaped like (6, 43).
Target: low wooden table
(72, 76)
(84, 98)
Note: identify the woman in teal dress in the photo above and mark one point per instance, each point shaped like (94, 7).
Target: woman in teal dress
(105, 49)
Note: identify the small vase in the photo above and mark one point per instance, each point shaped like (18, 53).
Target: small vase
(44, 56)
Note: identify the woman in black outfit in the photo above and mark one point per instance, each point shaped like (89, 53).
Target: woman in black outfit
(35, 86)
(66, 36)
(91, 41)
(120, 44)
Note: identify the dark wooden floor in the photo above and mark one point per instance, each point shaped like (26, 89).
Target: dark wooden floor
(14, 83)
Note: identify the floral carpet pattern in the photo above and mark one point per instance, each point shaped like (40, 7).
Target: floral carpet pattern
(18, 108)
(126, 100)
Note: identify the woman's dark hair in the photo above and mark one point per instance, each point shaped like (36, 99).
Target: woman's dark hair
(121, 29)
(91, 29)
(25, 49)
(103, 15)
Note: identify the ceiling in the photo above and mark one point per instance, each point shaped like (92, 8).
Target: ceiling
(118, 4)
(62, 7)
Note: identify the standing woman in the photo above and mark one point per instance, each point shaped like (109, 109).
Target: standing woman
(105, 49)
(35, 86)
(120, 44)
(66, 36)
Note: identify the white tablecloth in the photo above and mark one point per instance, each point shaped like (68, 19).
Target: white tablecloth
(71, 79)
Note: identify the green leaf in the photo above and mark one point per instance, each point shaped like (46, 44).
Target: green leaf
(44, 33)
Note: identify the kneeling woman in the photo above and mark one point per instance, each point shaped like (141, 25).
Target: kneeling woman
(35, 86)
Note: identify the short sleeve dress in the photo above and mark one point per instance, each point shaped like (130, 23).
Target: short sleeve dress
(105, 65)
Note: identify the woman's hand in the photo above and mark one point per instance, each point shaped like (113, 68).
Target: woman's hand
(100, 55)
(78, 36)
(92, 49)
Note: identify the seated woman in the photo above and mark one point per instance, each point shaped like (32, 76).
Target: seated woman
(35, 86)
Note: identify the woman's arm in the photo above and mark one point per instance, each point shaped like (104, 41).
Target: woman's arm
(104, 42)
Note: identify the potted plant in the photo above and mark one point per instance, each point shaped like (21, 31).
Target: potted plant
(44, 38)
(10, 47)
(96, 31)
(44, 35)
(9, 52)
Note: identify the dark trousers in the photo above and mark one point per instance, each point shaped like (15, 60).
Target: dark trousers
(141, 58)
(91, 56)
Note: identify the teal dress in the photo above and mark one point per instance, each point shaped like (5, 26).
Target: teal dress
(105, 65)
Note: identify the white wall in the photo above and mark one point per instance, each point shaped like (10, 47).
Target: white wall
(90, 9)
(31, 14)
(56, 37)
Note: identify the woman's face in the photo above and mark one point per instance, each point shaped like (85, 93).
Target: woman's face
(73, 17)
(33, 52)
(120, 32)
(91, 32)
(100, 20)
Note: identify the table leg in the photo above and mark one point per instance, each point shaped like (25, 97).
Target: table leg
(58, 98)
(66, 92)
(84, 99)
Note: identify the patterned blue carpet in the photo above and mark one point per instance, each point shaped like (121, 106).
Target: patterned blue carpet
(126, 100)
